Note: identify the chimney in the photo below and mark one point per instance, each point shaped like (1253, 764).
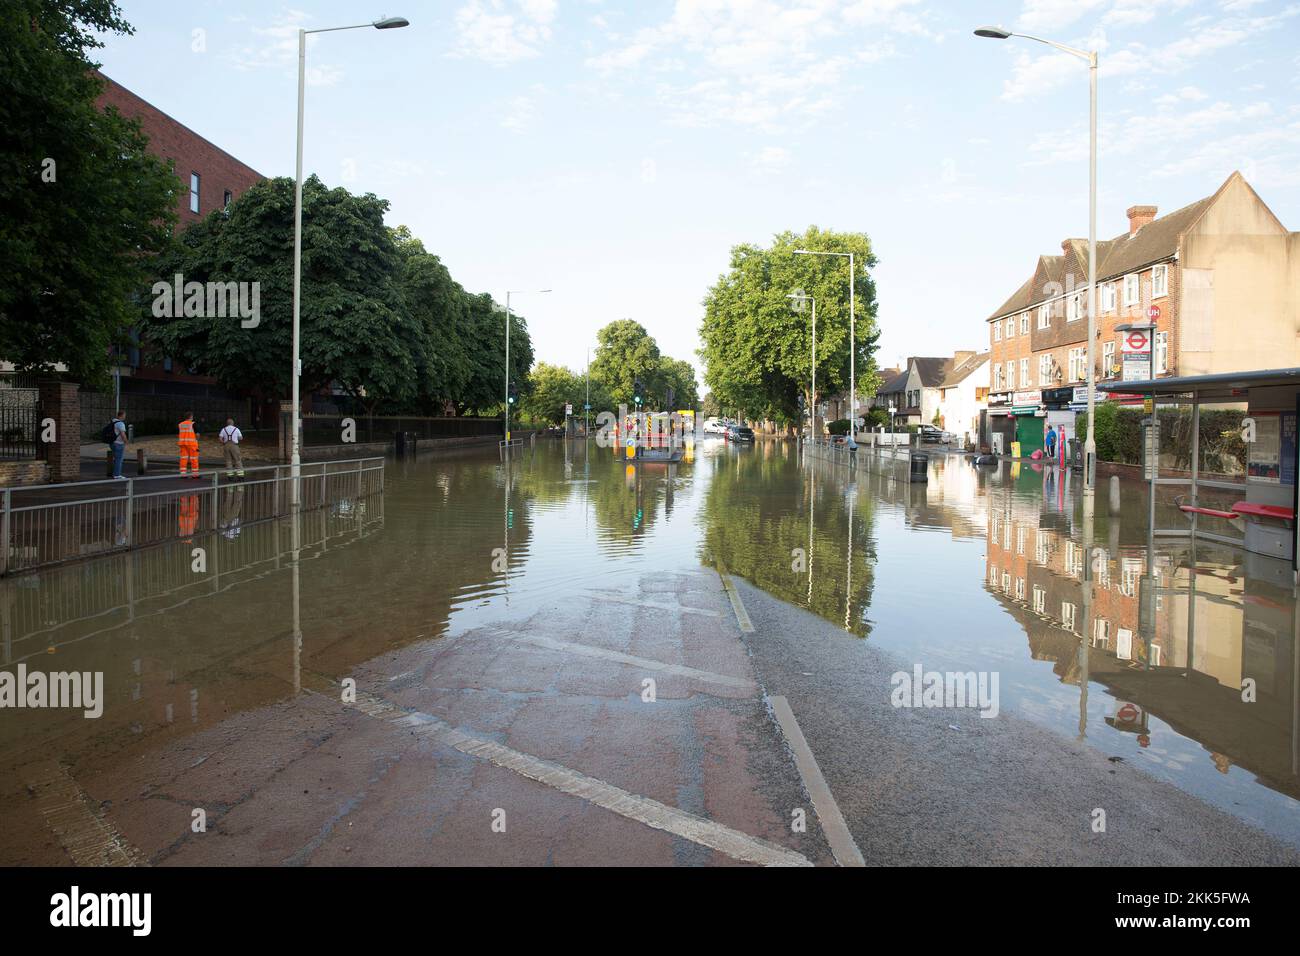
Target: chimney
(1139, 216)
(959, 357)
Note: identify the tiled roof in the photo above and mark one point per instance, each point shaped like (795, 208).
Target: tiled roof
(931, 369)
(959, 373)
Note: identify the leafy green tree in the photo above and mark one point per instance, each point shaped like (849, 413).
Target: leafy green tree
(486, 331)
(83, 205)
(680, 375)
(440, 307)
(625, 352)
(757, 343)
(356, 330)
(551, 387)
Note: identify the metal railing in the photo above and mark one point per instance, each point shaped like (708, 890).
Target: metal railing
(20, 423)
(42, 525)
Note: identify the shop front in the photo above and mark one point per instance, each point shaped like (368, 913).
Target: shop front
(1029, 417)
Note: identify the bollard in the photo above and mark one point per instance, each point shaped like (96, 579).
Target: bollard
(1114, 494)
(920, 471)
(141, 461)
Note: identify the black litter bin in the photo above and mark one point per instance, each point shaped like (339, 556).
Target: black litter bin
(1074, 454)
(920, 466)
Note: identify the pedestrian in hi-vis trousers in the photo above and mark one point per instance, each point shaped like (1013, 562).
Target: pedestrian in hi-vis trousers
(188, 443)
(230, 438)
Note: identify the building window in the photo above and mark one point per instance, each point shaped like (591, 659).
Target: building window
(194, 192)
(1020, 548)
(997, 377)
(1044, 370)
(1074, 307)
(1108, 297)
(1020, 589)
(1024, 373)
(1078, 365)
(997, 331)
(1024, 323)
(1044, 317)
(1011, 328)
(1162, 352)
(1159, 281)
(227, 199)
(1131, 290)
(1067, 615)
(1040, 600)
(1107, 358)
(1102, 638)
(1011, 374)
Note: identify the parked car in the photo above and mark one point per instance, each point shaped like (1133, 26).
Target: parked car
(715, 426)
(934, 435)
(740, 433)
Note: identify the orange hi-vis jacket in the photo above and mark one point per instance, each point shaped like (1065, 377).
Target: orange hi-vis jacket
(187, 437)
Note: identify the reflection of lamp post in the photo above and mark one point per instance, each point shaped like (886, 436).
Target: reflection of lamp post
(1090, 445)
(853, 357)
(506, 415)
(295, 458)
(799, 298)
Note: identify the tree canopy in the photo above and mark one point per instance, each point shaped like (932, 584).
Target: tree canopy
(626, 352)
(757, 343)
(83, 205)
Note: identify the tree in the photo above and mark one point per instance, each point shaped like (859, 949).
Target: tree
(83, 205)
(356, 330)
(625, 352)
(486, 331)
(550, 388)
(758, 346)
(440, 307)
(680, 376)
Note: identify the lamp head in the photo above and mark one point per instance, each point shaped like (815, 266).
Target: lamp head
(392, 23)
(993, 33)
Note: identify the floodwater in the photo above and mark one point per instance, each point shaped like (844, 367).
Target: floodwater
(979, 569)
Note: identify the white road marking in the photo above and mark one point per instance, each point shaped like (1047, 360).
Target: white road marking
(742, 616)
(846, 851)
(734, 843)
(88, 838)
(652, 605)
(587, 650)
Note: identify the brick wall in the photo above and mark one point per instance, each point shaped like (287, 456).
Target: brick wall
(60, 401)
(23, 473)
(218, 170)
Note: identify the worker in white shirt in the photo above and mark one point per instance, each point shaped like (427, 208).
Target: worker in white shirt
(230, 437)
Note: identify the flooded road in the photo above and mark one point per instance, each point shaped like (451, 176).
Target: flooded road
(426, 594)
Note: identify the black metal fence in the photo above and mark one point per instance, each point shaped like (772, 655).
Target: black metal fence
(159, 414)
(329, 429)
(20, 424)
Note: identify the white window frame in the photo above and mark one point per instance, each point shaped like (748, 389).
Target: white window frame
(1074, 307)
(1067, 615)
(1162, 352)
(1011, 373)
(1132, 289)
(1159, 281)
(1024, 323)
(1108, 297)
(1025, 380)
(1010, 331)
(1045, 370)
(1044, 316)
(997, 331)
(1107, 357)
(997, 377)
(195, 184)
(1078, 364)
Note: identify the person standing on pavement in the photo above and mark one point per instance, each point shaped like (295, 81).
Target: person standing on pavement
(188, 443)
(119, 442)
(230, 438)
(1051, 442)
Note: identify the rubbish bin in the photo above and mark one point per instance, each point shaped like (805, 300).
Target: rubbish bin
(1074, 454)
(920, 466)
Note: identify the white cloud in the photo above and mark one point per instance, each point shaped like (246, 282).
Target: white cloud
(501, 32)
(1048, 15)
(277, 48)
(758, 63)
(1185, 94)
(770, 159)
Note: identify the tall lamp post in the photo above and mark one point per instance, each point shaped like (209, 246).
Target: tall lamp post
(507, 395)
(1090, 56)
(853, 350)
(295, 459)
(799, 298)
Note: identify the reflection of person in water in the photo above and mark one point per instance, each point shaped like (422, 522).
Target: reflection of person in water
(187, 516)
(1222, 762)
(232, 510)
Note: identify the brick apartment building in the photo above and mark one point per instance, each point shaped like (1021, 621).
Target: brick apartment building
(1221, 276)
(211, 179)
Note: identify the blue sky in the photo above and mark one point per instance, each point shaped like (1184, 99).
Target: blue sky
(615, 151)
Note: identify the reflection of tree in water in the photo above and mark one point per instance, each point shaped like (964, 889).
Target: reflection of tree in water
(627, 500)
(757, 513)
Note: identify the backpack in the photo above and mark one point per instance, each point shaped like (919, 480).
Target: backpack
(108, 434)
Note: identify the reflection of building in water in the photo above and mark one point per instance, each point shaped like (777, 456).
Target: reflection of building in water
(1217, 623)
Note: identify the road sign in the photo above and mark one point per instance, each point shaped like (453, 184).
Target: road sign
(586, 408)
(568, 409)
(1151, 449)
(1137, 340)
(1128, 713)
(1153, 313)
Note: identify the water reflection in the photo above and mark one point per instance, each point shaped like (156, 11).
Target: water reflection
(976, 569)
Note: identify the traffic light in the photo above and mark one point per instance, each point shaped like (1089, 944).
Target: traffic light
(512, 393)
(638, 393)
(669, 399)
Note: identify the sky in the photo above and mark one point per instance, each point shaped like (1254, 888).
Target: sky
(614, 152)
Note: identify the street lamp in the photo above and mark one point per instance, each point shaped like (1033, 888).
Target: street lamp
(800, 298)
(1090, 445)
(387, 23)
(853, 351)
(508, 295)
